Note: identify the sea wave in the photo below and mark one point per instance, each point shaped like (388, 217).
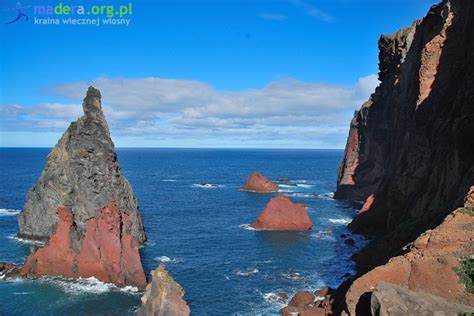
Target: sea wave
(169, 180)
(9, 212)
(247, 227)
(166, 259)
(340, 221)
(273, 298)
(247, 272)
(323, 236)
(294, 276)
(207, 185)
(328, 196)
(26, 241)
(303, 195)
(299, 185)
(288, 186)
(87, 285)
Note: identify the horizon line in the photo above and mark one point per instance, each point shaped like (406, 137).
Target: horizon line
(233, 148)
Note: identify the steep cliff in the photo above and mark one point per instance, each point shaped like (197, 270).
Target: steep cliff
(84, 208)
(411, 146)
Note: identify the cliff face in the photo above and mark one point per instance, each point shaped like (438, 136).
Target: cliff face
(84, 208)
(82, 174)
(411, 146)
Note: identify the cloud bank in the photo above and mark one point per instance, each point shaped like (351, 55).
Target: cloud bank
(282, 113)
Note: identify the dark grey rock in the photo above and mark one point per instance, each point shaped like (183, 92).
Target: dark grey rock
(81, 173)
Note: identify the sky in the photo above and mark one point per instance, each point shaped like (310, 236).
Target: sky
(223, 74)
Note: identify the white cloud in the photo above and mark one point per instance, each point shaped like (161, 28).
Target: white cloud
(283, 110)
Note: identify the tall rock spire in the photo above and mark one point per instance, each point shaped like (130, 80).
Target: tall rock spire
(83, 205)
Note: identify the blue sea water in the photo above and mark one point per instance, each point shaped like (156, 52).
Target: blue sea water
(199, 231)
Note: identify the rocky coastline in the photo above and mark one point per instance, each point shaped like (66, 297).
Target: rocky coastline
(410, 156)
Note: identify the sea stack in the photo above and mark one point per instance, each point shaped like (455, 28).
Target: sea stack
(282, 214)
(84, 208)
(257, 182)
(163, 296)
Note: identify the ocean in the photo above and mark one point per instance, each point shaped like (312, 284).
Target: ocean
(199, 231)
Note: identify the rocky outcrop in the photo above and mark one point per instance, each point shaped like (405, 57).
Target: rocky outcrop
(282, 214)
(429, 266)
(305, 303)
(8, 270)
(256, 182)
(82, 173)
(107, 250)
(84, 208)
(163, 296)
(393, 300)
(410, 146)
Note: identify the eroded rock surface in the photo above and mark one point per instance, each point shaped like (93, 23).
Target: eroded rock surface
(428, 267)
(163, 296)
(84, 208)
(283, 214)
(393, 300)
(411, 146)
(256, 182)
(82, 174)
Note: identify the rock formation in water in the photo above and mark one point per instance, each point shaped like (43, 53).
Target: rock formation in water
(411, 146)
(305, 303)
(163, 296)
(256, 182)
(282, 214)
(84, 208)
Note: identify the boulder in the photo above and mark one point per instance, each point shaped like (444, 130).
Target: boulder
(393, 300)
(301, 299)
(282, 214)
(163, 296)
(256, 182)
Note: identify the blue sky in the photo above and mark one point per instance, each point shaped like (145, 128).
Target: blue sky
(264, 73)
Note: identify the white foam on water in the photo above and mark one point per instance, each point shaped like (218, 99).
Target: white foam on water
(323, 236)
(22, 293)
(248, 272)
(26, 241)
(303, 195)
(304, 185)
(273, 298)
(9, 212)
(169, 180)
(247, 227)
(207, 185)
(327, 196)
(340, 221)
(285, 191)
(294, 276)
(165, 259)
(86, 285)
(287, 186)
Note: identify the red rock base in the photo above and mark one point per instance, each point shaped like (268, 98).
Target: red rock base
(107, 251)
